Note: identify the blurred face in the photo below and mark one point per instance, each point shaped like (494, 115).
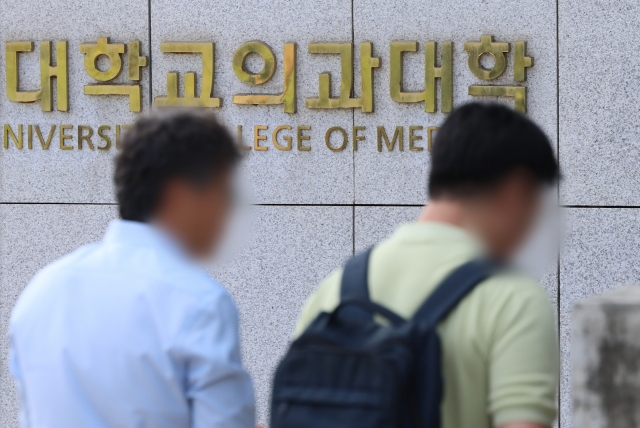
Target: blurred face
(197, 215)
(510, 212)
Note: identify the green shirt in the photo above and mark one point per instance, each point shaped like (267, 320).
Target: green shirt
(500, 350)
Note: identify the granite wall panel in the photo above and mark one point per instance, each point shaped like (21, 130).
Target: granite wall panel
(290, 251)
(50, 200)
(32, 236)
(313, 176)
(599, 130)
(374, 224)
(70, 175)
(400, 177)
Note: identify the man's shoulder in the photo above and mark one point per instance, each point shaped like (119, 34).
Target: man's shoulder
(46, 281)
(149, 270)
(65, 265)
(514, 284)
(511, 297)
(195, 282)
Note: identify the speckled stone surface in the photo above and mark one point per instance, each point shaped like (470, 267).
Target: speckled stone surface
(315, 176)
(55, 175)
(401, 177)
(292, 249)
(599, 128)
(374, 224)
(600, 253)
(32, 236)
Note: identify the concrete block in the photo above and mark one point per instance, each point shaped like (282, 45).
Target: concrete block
(606, 373)
(598, 255)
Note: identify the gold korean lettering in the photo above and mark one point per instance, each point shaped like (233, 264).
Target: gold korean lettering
(47, 72)
(59, 71)
(288, 96)
(367, 64)
(136, 61)
(518, 93)
(498, 51)
(521, 61)
(205, 99)
(11, 56)
(487, 46)
(114, 51)
(431, 74)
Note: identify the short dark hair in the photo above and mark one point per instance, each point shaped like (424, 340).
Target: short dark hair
(480, 144)
(165, 145)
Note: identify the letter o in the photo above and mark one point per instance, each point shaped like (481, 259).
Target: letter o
(345, 139)
(267, 56)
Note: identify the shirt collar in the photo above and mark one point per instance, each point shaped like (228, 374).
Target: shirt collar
(142, 235)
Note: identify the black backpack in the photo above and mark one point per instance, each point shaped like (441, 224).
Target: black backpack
(348, 371)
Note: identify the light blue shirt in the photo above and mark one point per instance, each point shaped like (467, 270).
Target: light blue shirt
(128, 333)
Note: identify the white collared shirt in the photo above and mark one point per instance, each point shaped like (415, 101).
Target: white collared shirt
(129, 333)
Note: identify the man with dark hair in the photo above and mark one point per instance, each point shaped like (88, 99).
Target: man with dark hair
(129, 332)
(500, 359)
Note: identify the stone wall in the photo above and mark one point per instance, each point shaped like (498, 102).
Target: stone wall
(315, 208)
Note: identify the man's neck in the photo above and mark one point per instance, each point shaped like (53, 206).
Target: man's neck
(445, 211)
(471, 216)
(174, 233)
(468, 216)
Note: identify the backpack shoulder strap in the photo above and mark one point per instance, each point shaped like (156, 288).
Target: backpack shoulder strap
(354, 292)
(355, 282)
(453, 289)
